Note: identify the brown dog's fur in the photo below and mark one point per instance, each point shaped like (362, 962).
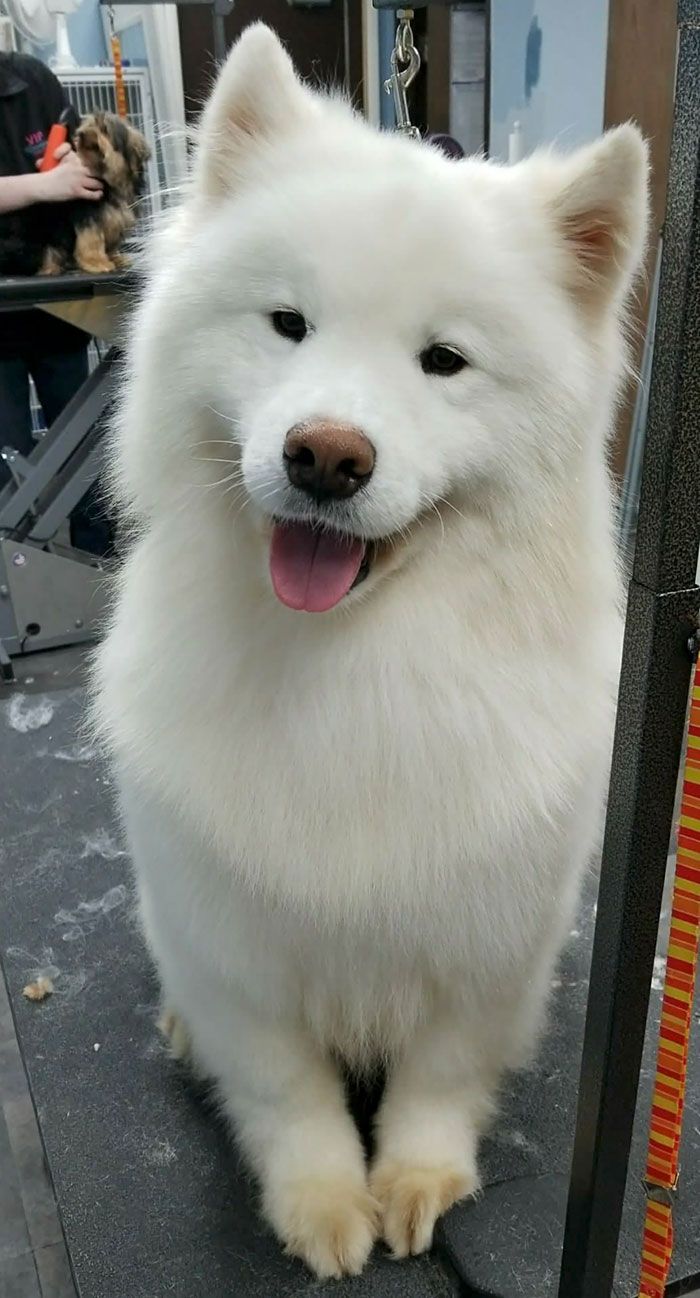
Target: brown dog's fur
(52, 238)
(116, 153)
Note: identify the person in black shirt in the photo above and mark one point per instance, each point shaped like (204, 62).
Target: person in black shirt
(32, 342)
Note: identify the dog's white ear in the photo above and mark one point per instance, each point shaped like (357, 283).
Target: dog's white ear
(600, 205)
(257, 97)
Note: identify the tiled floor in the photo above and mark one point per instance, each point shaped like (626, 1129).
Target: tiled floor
(33, 1260)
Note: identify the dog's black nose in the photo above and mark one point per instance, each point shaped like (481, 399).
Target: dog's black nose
(330, 461)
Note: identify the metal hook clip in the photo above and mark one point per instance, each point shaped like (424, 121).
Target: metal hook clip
(404, 52)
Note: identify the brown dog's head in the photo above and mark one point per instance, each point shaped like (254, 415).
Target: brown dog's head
(114, 152)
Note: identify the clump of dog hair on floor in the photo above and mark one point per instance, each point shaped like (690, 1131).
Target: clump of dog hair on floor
(38, 990)
(176, 1034)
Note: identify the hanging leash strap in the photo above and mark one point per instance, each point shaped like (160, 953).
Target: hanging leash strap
(676, 1018)
(115, 45)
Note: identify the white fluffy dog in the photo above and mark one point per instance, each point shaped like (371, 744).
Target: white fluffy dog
(361, 674)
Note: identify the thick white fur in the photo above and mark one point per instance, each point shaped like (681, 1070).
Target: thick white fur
(360, 834)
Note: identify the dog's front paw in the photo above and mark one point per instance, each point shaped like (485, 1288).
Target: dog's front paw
(329, 1222)
(412, 1198)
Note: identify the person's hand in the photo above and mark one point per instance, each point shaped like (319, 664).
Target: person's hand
(70, 179)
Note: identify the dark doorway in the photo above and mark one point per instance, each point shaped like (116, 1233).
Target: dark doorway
(325, 42)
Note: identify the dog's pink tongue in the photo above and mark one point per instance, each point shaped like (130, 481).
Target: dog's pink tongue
(312, 570)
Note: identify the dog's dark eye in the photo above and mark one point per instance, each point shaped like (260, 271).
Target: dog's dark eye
(290, 324)
(441, 360)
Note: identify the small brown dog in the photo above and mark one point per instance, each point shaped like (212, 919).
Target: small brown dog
(52, 238)
(116, 154)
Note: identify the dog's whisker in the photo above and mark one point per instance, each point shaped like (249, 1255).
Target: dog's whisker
(221, 482)
(207, 486)
(442, 500)
(227, 418)
(240, 509)
(235, 500)
(435, 510)
(270, 483)
(234, 469)
(232, 501)
(214, 459)
(215, 441)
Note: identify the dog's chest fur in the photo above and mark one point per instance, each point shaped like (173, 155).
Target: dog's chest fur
(418, 773)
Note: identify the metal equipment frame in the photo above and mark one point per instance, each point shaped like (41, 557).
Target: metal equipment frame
(662, 614)
(52, 594)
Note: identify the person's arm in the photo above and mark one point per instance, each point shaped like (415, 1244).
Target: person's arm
(17, 192)
(70, 179)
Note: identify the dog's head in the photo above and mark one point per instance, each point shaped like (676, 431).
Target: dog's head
(384, 343)
(113, 151)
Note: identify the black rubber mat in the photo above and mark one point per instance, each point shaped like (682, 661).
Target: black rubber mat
(151, 1194)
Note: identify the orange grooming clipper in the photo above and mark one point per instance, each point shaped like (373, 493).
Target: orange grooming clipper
(57, 136)
(59, 133)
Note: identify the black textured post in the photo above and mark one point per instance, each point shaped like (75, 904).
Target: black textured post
(663, 603)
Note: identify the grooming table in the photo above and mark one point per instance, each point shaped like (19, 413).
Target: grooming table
(151, 1193)
(90, 302)
(52, 594)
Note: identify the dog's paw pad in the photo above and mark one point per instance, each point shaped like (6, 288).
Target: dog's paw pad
(330, 1223)
(176, 1034)
(412, 1199)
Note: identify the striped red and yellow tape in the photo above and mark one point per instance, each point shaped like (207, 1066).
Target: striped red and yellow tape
(675, 1028)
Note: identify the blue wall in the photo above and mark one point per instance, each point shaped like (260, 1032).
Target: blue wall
(87, 40)
(86, 35)
(134, 46)
(547, 71)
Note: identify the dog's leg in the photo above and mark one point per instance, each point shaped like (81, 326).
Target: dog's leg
(52, 262)
(442, 1095)
(282, 1093)
(428, 1128)
(117, 221)
(286, 1101)
(90, 251)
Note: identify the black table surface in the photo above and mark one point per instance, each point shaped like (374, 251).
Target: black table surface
(19, 292)
(151, 1193)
